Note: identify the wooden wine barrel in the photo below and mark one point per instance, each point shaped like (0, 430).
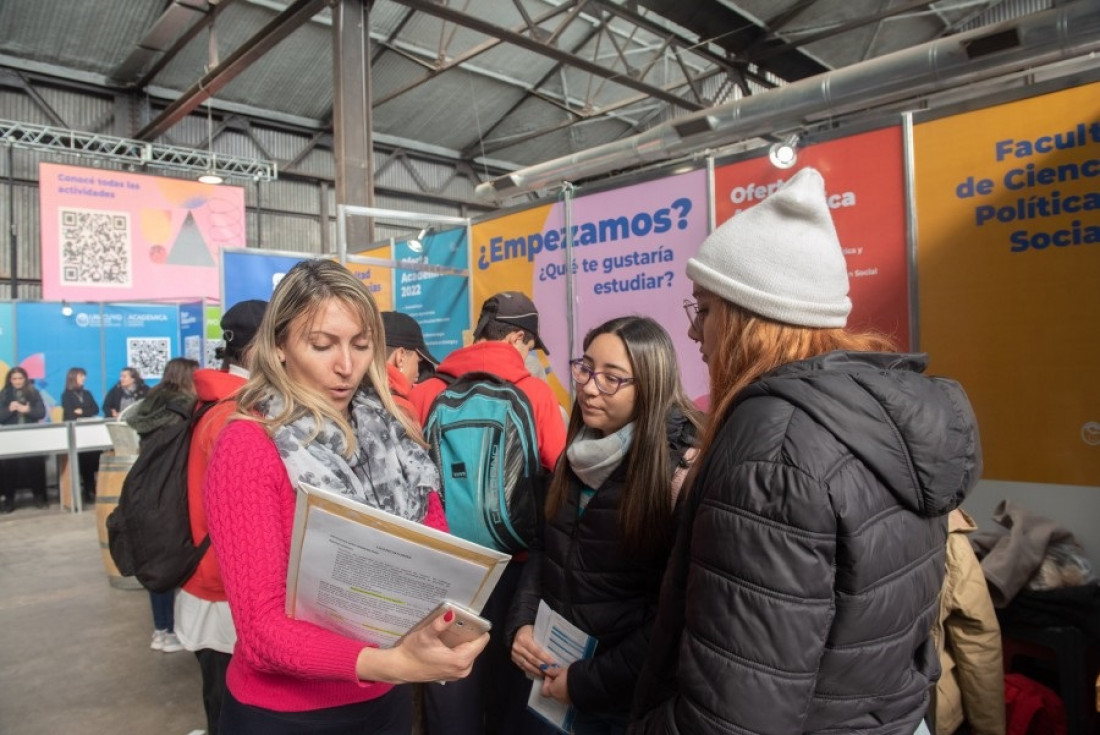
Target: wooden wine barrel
(112, 471)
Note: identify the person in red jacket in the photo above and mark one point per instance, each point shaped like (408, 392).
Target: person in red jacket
(507, 330)
(405, 350)
(493, 699)
(203, 622)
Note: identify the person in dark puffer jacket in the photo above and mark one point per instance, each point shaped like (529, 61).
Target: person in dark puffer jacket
(609, 519)
(803, 586)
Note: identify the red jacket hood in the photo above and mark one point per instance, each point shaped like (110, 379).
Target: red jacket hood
(498, 358)
(399, 384)
(214, 385)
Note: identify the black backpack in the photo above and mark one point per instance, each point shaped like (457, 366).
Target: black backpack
(481, 435)
(149, 533)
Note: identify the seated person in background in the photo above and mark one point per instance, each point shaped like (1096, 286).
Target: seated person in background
(405, 350)
(129, 389)
(77, 402)
(316, 408)
(968, 638)
(21, 403)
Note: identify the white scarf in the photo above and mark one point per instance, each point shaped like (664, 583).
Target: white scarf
(388, 470)
(594, 457)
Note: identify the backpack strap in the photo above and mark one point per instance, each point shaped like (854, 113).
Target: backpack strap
(195, 417)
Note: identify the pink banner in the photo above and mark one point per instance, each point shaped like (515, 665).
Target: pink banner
(111, 235)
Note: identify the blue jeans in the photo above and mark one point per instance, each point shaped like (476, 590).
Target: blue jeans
(163, 615)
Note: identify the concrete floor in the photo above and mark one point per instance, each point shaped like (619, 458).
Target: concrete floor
(74, 651)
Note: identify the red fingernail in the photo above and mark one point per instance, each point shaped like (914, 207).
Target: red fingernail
(448, 616)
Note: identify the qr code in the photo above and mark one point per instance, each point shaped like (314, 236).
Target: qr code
(148, 355)
(192, 347)
(211, 348)
(95, 248)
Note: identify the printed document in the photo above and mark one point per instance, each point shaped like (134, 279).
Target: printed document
(566, 643)
(370, 575)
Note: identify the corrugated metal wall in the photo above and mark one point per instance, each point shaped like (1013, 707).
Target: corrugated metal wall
(293, 213)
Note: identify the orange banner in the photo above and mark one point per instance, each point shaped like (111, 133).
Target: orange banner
(864, 180)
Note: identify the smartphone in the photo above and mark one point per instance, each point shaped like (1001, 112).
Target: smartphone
(466, 626)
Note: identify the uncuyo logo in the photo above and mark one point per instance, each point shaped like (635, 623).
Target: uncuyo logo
(1090, 433)
(81, 320)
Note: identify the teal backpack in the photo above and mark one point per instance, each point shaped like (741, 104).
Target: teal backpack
(481, 435)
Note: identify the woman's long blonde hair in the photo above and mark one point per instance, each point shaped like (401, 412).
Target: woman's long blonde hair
(752, 345)
(301, 294)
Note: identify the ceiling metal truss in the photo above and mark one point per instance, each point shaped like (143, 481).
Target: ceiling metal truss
(135, 152)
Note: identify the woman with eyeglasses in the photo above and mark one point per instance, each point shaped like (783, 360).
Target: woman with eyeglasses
(609, 519)
(803, 588)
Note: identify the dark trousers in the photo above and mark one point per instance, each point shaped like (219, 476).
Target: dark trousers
(213, 665)
(390, 714)
(164, 613)
(584, 724)
(492, 700)
(17, 473)
(88, 463)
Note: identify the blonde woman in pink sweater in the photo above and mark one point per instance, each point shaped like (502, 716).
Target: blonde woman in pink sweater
(317, 408)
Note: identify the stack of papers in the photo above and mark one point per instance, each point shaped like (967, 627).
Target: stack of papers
(370, 575)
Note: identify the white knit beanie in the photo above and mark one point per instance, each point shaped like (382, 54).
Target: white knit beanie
(780, 259)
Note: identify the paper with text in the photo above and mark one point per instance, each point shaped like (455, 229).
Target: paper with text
(370, 575)
(566, 643)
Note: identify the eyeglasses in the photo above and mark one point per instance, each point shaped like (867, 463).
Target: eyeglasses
(606, 383)
(691, 308)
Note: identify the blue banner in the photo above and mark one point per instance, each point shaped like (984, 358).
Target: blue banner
(440, 303)
(7, 338)
(250, 275)
(142, 336)
(191, 331)
(50, 343)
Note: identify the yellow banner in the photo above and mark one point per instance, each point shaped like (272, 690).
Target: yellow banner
(1008, 256)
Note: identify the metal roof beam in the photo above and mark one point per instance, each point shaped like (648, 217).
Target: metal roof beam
(530, 44)
(269, 36)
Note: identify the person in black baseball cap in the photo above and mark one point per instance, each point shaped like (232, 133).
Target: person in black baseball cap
(405, 349)
(239, 325)
(506, 332)
(505, 312)
(405, 344)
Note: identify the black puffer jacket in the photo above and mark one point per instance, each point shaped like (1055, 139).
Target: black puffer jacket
(584, 574)
(801, 593)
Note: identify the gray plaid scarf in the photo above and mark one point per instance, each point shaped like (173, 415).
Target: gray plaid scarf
(388, 471)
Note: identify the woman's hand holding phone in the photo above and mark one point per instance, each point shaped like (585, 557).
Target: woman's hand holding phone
(424, 654)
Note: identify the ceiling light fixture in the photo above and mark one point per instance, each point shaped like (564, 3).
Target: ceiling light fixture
(66, 310)
(784, 154)
(416, 244)
(211, 175)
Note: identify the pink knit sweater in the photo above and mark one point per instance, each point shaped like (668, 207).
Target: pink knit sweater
(279, 663)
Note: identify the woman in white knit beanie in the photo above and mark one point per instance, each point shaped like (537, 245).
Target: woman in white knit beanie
(801, 593)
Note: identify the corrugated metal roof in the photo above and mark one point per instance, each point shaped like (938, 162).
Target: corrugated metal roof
(609, 69)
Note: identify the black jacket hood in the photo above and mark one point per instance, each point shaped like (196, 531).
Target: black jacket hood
(917, 434)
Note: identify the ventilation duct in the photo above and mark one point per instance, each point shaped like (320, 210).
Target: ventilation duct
(1038, 39)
